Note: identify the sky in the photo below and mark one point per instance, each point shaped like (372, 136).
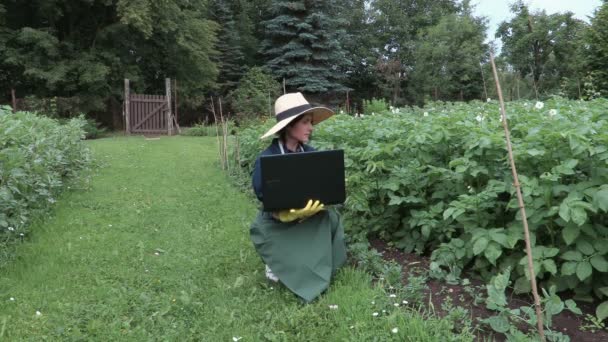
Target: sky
(498, 11)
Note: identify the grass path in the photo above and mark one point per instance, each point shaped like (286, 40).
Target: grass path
(156, 247)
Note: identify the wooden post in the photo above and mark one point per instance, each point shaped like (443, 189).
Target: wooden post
(168, 96)
(225, 133)
(522, 207)
(284, 85)
(175, 93)
(13, 99)
(127, 105)
(347, 103)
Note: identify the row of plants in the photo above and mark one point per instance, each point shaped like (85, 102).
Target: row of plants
(37, 156)
(436, 180)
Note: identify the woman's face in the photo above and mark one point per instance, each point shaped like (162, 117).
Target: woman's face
(302, 129)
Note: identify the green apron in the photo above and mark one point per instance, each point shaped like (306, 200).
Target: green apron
(303, 255)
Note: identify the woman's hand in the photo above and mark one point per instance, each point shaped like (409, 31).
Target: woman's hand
(311, 208)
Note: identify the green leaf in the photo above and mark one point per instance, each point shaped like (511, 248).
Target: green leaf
(522, 285)
(599, 263)
(493, 252)
(570, 233)
(602, 311)
(578, 215)
(583, 270)
(550, 252)
(534, 152)
(585, 247)
(501, 238)
(604, 290)
(569, 268)
(550, 266)
(480, 245)
(426, 231)
(554, 305)
(498, 323)
(572, 256)
(564, 211)
(600, 199)
(448, 212)
(571, 305)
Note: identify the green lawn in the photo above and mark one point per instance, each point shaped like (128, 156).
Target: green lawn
(156, 247)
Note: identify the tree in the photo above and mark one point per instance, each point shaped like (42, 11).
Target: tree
(448, 57)
(395, 25)
(540, 45)
(255, 94)
(84, 49)
(596, 49)
(302, 45)
(229, 59)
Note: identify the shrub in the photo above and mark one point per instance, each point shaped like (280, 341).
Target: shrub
(256, 94)
(37, 156)
(374, 106)
(200, 130)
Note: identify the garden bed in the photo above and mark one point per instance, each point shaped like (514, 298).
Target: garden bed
(438, 293)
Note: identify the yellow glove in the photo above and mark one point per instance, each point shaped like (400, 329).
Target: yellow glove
(304, 213)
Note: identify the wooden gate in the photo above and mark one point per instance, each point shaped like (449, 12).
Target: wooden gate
(149, 113)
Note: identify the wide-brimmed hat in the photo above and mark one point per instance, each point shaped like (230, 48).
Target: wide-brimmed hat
(289, 106)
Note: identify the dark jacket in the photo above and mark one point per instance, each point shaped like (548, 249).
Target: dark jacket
(272, 149)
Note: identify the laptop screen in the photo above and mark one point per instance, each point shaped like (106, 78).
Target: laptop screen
(290, 180)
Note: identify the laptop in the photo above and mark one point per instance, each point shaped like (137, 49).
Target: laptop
(290, 180)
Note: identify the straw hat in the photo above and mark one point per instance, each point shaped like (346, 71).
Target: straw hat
(289, 106)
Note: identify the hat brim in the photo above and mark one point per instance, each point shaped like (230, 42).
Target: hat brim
(318, 114)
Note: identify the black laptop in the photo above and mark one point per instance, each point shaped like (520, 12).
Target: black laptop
(290, 180)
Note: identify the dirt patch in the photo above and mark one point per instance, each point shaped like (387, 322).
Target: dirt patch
(439, 292)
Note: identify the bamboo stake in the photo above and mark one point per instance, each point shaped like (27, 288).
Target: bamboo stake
(237, 150)
(225, 131)
(539, 316)
(217, 133)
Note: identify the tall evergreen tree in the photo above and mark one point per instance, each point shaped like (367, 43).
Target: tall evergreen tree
(302, 45)
(229, 59)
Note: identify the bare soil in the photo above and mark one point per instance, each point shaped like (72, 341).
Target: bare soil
(438, 292)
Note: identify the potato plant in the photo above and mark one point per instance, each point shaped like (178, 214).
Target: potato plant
(437, 180)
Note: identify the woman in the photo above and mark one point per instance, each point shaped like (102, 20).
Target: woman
(302, 248)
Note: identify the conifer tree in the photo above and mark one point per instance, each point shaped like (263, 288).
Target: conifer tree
(302, 45)
(230, 59)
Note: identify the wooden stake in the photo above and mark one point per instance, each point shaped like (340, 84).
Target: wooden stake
(237, 150)
(14, 99)
(539, 315)
(175, 100)
(284, 92)
(127, 105)
(168, 95)
(217, 133)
